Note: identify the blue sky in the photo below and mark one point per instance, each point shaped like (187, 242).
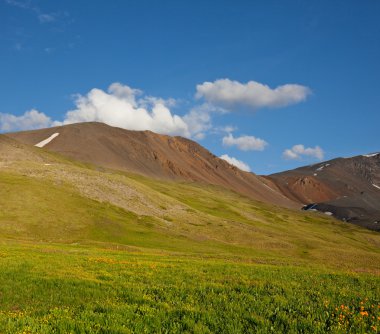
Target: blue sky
(246, 79)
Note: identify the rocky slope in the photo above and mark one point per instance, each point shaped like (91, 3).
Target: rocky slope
(349, 188)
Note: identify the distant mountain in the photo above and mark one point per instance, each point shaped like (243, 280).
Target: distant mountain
(152, 155)
(348, 188)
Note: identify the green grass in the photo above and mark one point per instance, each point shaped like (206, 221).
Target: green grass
(88, 251)
(211, 220)
(71, 289)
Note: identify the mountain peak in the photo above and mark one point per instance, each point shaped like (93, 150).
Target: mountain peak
(153, 155)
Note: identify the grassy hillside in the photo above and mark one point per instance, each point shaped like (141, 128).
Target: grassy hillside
(70, 204)
(84, 250)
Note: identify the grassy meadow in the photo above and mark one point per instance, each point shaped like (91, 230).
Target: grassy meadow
(72, 289)
(84, 250)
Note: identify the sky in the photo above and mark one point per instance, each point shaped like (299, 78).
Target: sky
(266, 85)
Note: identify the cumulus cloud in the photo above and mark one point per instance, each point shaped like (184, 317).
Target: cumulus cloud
(32, 119)
(228, 93)
(235, 162)
(298, 151)
(245, 143)
(120, 106)
(128, 108)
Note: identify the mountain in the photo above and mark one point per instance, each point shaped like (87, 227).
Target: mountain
(48, 198)
(152, 155)
(348, 188)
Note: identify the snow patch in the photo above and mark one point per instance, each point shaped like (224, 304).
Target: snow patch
(376, 186)
(328, 213)
(47, 140)
(370, 155)
(321, 167)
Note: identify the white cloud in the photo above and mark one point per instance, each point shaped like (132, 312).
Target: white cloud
(27, 4)
(245, 143)
(228, 93)
(32, 119)
(46, 18)
(228, 128)
(20, 4)
(223, 130)
(49, 50)
(128, 108)
(18, 46)
(120, 106)
(235, 162)
(297, 151)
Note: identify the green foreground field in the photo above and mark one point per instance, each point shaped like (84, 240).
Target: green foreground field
(72, 289)
(84, 250)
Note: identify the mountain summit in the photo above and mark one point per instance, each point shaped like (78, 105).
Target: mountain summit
(151, 154)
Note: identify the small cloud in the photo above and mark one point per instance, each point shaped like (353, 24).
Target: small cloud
(200, 136)
(229, 128)
(227, 93)
(298, 151)
(245, 143)
(32, 119)
(235, 162)
(18, 46)
(48, 50)
(18, 3)
(289, 154)
(223, 129)
(41, 16)
(46, 18)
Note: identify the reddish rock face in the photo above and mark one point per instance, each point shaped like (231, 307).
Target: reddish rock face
(350, 188)
(308, 189)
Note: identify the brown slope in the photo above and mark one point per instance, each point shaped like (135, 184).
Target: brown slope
(349, 188)
(153, 155)
(12, 150)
